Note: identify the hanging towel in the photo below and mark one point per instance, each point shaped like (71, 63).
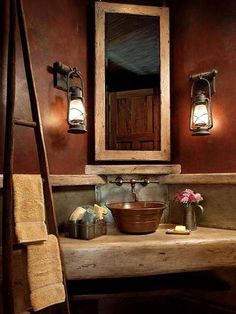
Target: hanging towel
(45, 273)
(29, 210)
(20, 282)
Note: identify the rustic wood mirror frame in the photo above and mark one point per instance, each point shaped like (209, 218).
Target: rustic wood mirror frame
(101, 153)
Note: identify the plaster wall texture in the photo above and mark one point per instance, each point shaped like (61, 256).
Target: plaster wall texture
(202, 37)
(66, 200)
(57, 31)
(219, 205)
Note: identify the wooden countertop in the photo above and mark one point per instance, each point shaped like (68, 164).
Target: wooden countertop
(119, 255)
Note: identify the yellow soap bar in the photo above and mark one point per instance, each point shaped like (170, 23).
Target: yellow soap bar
(99, 211)
(180, 228)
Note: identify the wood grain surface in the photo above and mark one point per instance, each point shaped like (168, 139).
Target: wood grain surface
(120, 255)
(132, 169)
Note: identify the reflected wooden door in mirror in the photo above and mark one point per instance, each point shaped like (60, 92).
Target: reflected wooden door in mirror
(132, 110)
(133, 120)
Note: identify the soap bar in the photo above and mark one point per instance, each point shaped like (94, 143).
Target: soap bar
(77, 214)
(180, 228)
(99, 211)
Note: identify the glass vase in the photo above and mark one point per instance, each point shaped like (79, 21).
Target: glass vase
(190, 218)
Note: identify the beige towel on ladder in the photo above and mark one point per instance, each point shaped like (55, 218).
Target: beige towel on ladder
(29, 208)
(20, 282)
(45, 274)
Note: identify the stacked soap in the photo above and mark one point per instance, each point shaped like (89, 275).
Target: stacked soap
(87, 222)
(88, 214)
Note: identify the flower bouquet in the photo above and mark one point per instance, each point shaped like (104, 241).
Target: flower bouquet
(189, 200)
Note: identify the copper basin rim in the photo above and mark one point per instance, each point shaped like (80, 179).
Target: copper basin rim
(137, 217)
(137, 206)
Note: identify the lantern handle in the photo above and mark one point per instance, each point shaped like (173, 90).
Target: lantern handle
(197, 81)
(74, 73)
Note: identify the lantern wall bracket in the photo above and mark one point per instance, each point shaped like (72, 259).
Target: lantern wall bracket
(60, 75)
(64, 78)
(210, 76)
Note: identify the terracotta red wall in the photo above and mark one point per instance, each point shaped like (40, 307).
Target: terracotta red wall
(203, 37)
(57, 32)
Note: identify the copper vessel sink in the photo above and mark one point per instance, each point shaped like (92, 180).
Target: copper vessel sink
(137, 217)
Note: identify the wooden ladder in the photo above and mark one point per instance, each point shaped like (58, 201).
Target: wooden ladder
(16, 10)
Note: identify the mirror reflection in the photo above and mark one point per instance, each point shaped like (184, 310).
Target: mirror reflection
(132, 82)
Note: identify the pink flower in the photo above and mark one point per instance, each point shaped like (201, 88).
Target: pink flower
(178, 198)
(192, 198)
(184, 199)
(188, 197)
(198, 197)
(188, 191)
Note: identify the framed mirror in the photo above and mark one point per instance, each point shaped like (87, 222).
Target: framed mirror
(132, 94)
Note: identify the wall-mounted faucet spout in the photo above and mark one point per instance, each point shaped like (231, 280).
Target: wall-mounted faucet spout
(144, 181)
(133, 182)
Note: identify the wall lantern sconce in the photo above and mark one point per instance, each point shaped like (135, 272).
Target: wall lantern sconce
(64, 79)
(203, 87)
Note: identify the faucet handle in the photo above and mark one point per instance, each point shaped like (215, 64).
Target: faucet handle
(118, 181)
(146, 181)
(132, 181)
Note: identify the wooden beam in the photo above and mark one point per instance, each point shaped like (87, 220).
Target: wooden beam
(132, 169)
(93, 179)
(199, 178)
(96, 179)
(71, 180)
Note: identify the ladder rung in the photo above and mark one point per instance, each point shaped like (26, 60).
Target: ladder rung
(30, 124)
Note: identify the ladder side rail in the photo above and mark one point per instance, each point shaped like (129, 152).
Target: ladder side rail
(44, 168)
(41, 148)
(8, 219)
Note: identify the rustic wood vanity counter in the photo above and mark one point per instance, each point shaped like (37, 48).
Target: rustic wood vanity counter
(120, 255)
